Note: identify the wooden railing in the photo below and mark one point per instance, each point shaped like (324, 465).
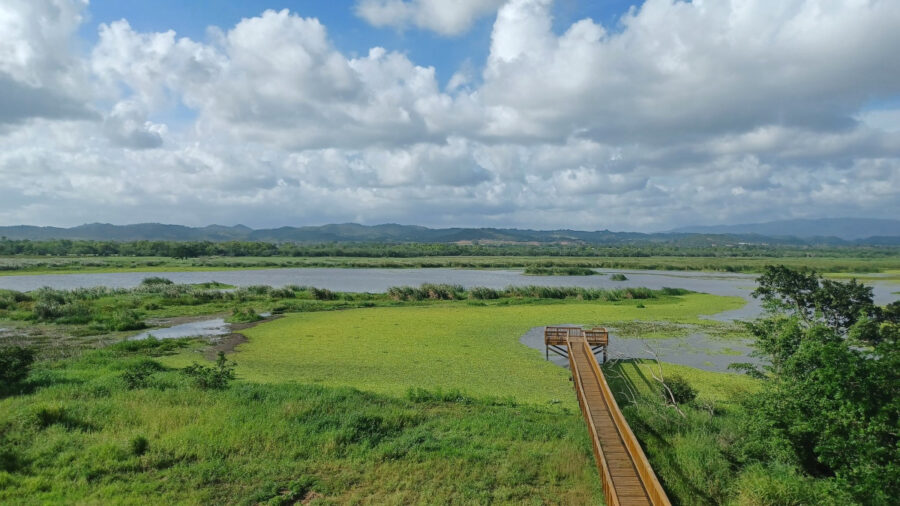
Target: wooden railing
(597, 336)
(605, 478)
(648, 477)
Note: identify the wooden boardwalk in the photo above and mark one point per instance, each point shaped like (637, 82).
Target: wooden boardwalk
(624, 470)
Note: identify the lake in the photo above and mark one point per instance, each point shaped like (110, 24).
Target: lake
(379, 280)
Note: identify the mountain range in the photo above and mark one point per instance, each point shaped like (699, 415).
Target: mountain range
(828, 231)
(844, 228)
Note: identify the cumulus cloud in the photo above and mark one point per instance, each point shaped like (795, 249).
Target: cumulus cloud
(682, 70)
(440, 16)
(127, 126)
(40, 77)
(687, 112)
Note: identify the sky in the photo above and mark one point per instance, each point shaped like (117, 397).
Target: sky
(542, 114)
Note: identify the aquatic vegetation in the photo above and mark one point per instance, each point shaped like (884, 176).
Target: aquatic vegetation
(448, 345)
(538, 270)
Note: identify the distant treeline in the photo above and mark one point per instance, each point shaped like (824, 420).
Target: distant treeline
(195, 249)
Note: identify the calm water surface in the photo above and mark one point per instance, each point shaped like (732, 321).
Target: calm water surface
(379, 280)
(699, 350)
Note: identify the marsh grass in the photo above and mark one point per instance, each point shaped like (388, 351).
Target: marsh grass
(536, 270)
(85, 437)
(695, 450)
(451, 345)
(839, 264)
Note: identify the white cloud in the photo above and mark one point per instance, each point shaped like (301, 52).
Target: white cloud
(40, 76)
(682, 69)
(688, 112)
(441, 16)
(127, 126)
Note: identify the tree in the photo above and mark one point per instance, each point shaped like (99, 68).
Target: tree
(831, 398)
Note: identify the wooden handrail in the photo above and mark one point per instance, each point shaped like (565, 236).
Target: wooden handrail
(606, 481)
(648, 477)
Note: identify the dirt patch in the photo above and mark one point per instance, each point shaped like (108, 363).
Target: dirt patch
(311, 496)
(226, 344)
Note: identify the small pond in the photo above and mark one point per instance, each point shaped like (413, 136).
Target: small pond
(215, 327)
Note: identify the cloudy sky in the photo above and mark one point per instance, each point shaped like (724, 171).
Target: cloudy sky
(624, 115)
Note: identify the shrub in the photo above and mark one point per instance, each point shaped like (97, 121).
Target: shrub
(244, 315)
(125, 319)
(681, 390)
(45, 416)
(535, 270)
(139, 445)
(9, 298)
(156, 281)
(323, 294)
(15, 363)
(151, 346)
(258, 289)
(282, 293)
(481, 293)
(211, 377)
(138, 375)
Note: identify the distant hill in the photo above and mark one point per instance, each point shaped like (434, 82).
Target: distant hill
(849, 229)
(886, 233)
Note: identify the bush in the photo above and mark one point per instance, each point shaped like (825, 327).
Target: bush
(138, 375)
(323, 294)
(244, 315)
(125, 319)
(282, 293)
(139, 445)
(782, 484)
(15, 363)
(211, 377)
(151, 346)
(681, 390)
(9, 299)
(481, 293)
(535, 270)
(618, 277)
(156, 281)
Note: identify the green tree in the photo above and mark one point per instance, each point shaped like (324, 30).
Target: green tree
(831, 399)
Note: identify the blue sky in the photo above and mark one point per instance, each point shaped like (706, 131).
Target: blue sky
(517, 113)
(350, 34)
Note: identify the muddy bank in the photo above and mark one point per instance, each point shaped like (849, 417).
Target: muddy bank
(228, 343)
(222, 336)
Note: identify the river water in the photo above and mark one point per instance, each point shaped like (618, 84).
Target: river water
(379, 280)
(698, 350)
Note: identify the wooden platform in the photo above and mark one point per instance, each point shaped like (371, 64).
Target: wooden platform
(556, 339)
(625, 471)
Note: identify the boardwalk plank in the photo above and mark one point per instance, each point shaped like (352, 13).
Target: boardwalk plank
(616, 461)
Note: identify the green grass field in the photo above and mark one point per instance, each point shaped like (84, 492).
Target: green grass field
(451, 346)
(20, 265)
(435, 403)
(82, 437)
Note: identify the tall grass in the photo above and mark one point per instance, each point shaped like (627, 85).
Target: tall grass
(86, 435)
(457, 292)
(695, 449)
